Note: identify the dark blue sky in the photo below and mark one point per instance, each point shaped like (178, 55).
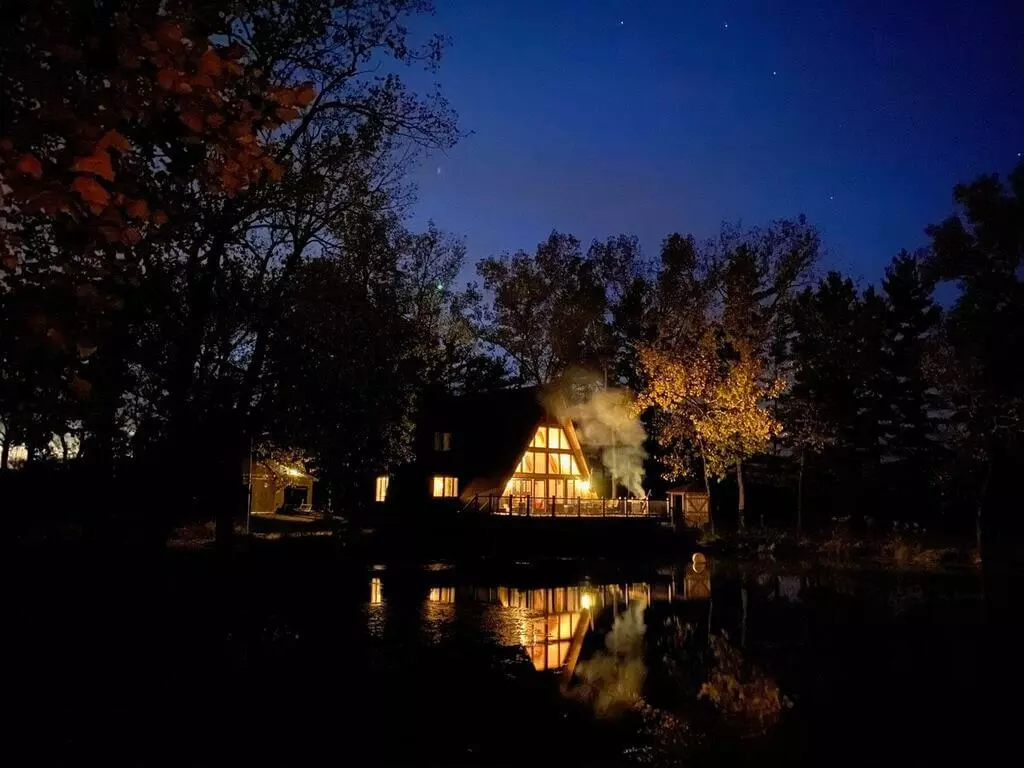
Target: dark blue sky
(861, 115)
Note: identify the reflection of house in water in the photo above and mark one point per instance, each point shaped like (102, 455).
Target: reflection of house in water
(548, 617)
(442, 595)
(376, 591)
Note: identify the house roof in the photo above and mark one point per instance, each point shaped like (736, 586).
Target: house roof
(491, 431)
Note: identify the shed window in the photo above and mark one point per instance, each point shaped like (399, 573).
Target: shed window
(442, 441)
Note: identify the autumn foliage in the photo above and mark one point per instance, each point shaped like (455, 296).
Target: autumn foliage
(113, 116)
(720, 406)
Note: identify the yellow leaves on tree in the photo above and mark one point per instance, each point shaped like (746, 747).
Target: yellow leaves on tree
(720, 406)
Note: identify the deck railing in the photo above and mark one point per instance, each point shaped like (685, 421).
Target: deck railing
(535, 506)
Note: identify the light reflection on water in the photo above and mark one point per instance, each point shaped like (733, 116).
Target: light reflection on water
(545, 620)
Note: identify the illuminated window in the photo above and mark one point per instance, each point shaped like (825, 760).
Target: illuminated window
(539, 439)
(554, 434)
(381, 493)
(575, 466)
(442, 441)
(445, 486)
(552, 463)
(528, 462)
(565, 463)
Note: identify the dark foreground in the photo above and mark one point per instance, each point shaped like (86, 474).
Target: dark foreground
(295, 654)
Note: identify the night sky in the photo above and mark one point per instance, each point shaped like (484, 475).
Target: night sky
(647, 117)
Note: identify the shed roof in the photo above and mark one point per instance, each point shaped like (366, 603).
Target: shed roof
(688, 488)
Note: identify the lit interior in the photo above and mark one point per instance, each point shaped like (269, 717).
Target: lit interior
(445, 487)
(548, 468)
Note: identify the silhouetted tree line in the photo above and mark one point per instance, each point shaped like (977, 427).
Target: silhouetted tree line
(206, 258)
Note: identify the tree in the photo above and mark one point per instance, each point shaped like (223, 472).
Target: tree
(981, 247)
(820, 408)
(912, 440)
(722, 408)
(711, 370)
(175, 351)
(548, 309)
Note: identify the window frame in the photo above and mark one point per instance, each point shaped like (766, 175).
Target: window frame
(448, 485)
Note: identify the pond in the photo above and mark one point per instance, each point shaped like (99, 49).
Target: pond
(289, 660)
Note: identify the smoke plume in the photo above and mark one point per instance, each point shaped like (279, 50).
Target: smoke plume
(606, 421)
(614, 678)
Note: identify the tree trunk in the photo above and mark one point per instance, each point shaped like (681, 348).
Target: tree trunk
(707, 486)
(800, 493)
(5, 447)
(742, 496)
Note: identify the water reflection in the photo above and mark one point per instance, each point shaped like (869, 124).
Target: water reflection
(545, 620)
(376, 591)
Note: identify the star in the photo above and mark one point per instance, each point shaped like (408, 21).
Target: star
(774, 73)
(621, 23)
(727, 25)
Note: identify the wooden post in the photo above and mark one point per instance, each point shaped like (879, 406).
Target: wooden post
(603, 502)
(528, 504)
(552, 506)
(577, 506)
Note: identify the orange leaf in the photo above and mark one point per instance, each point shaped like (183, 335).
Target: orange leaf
(216, 120)
(138, 209)
(284, 114)
(98, 163)
(283, 96)
(169, 33)
(165, 78)
(159, 218)
(193, 120)
(209, 63)
(81, 387)
(91, 192)
(241, 128)
(305, 95)
(204, 81)
(115, 140)
(131, 236)
(30, 166)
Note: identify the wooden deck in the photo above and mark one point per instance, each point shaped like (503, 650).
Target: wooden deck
(528, 506)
